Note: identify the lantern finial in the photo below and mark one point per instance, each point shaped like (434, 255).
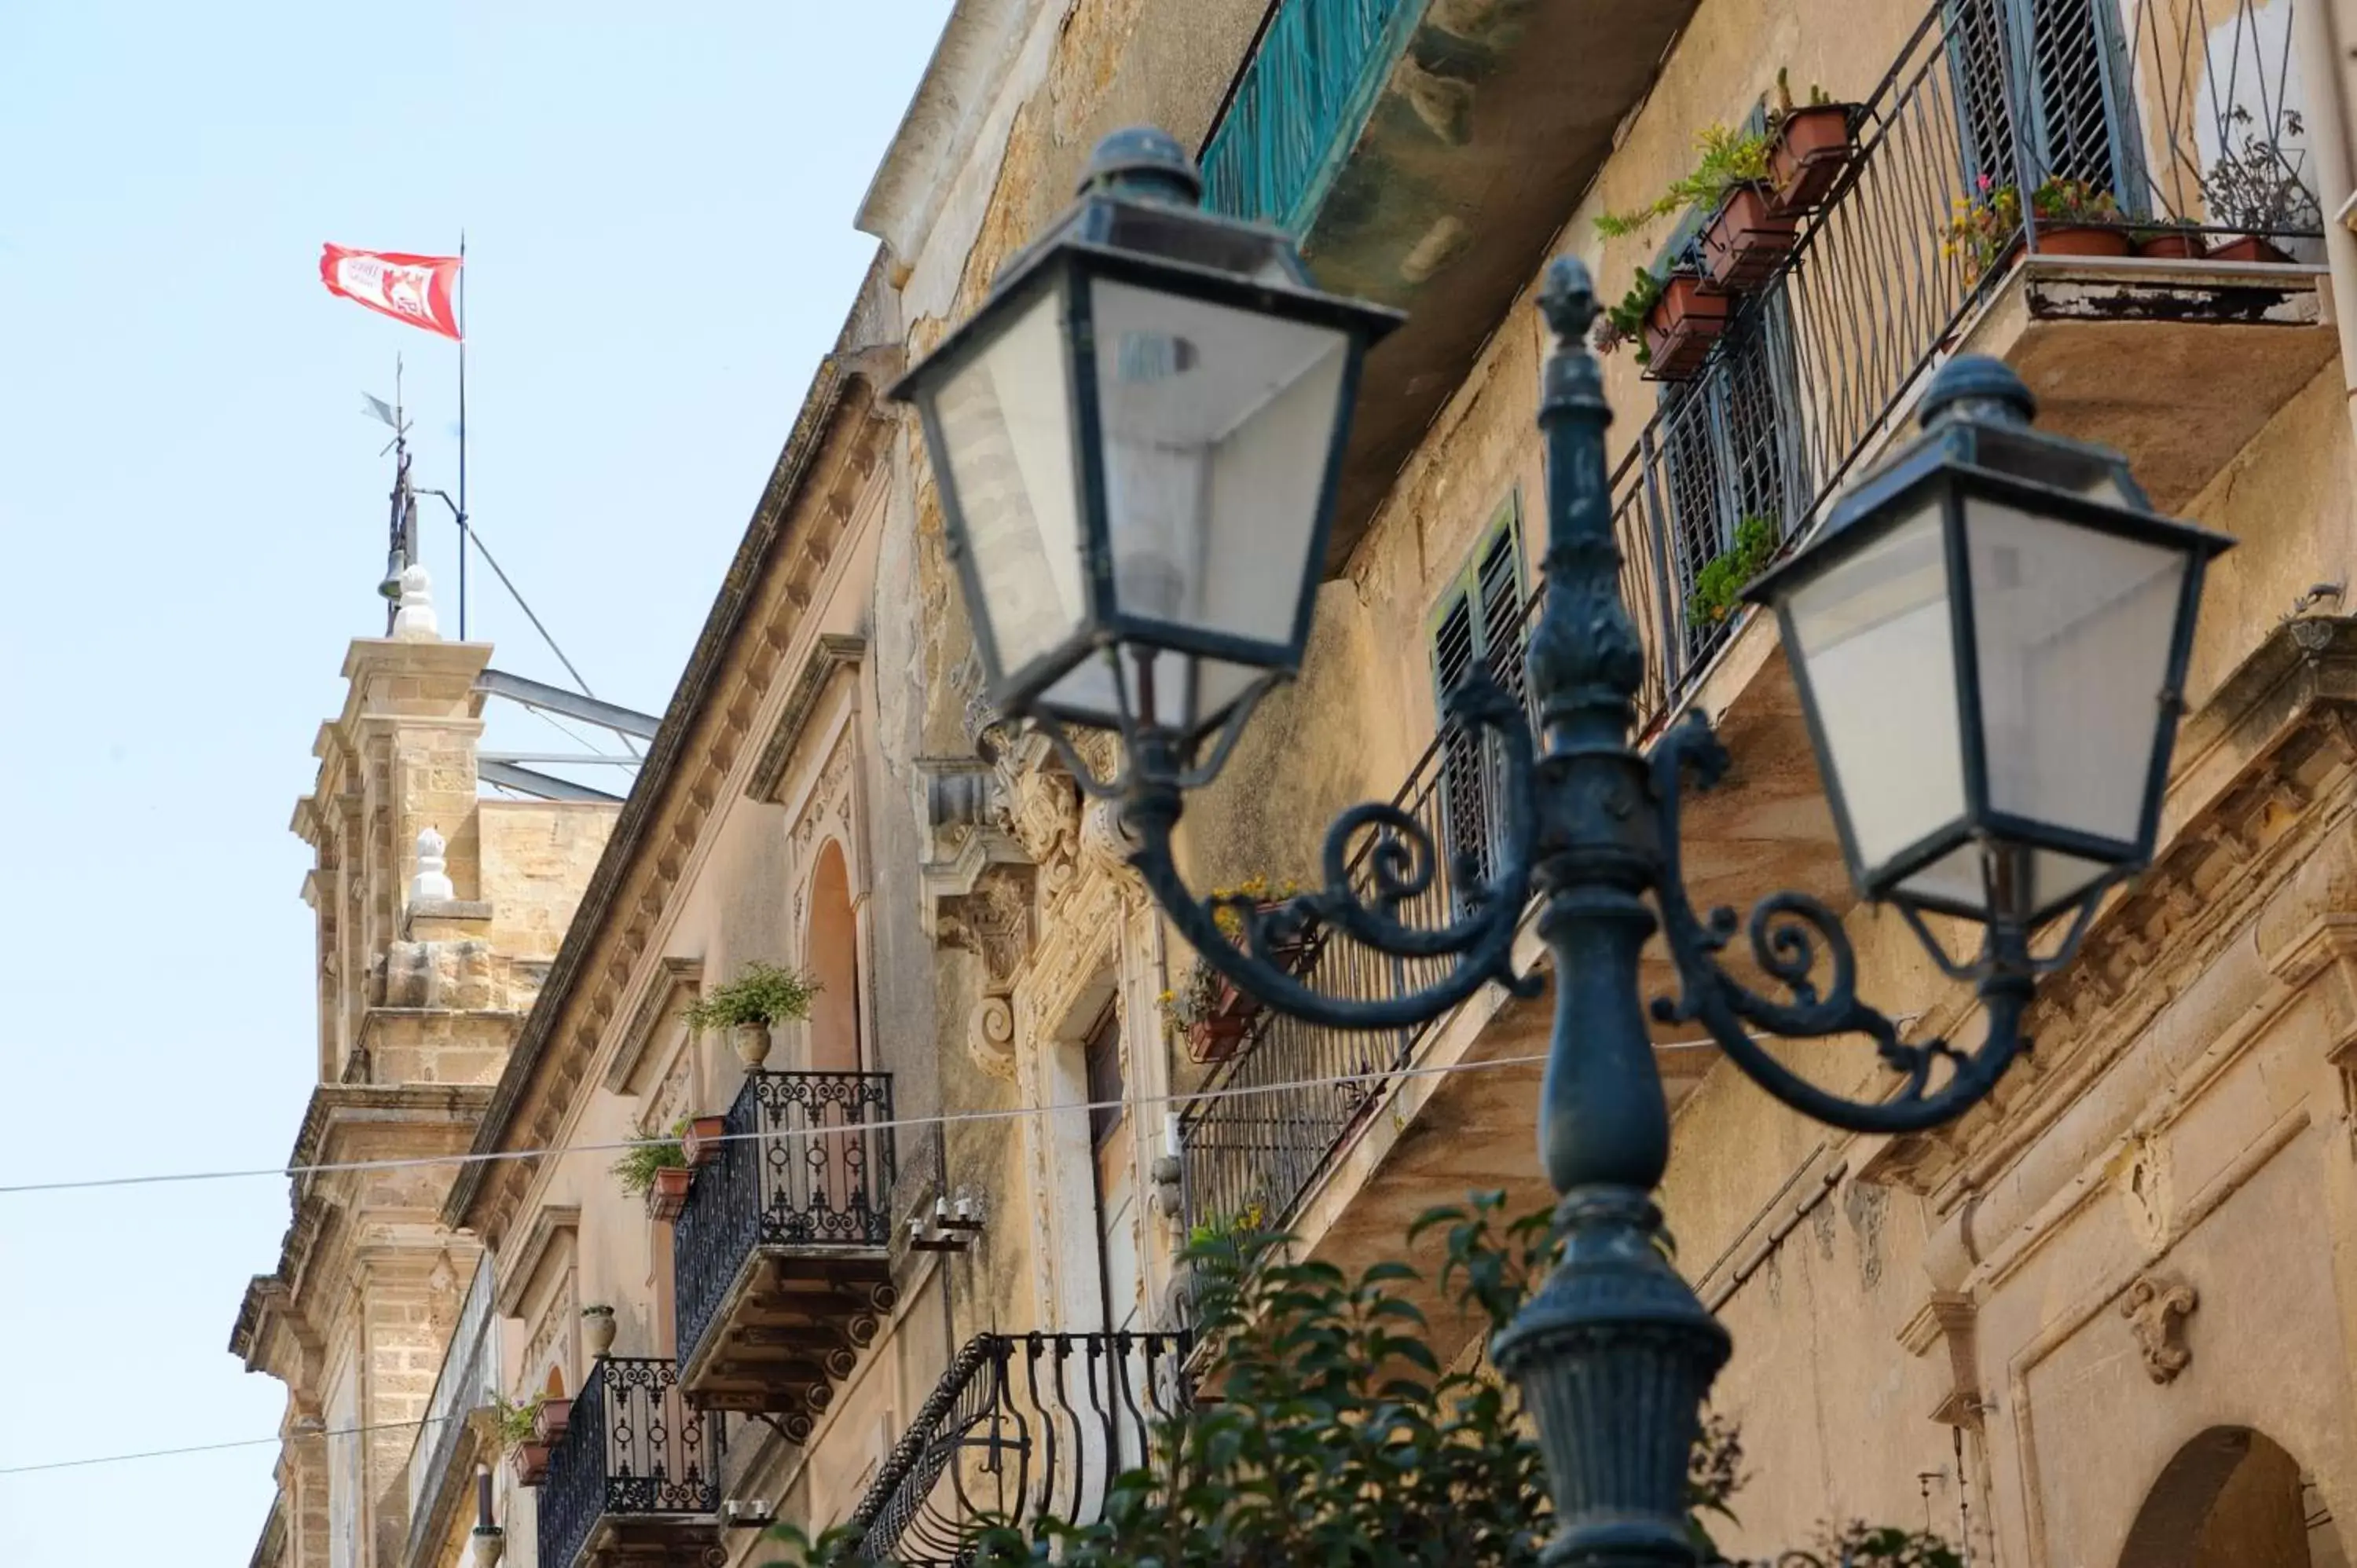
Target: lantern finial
(1976, 386)
(1143, 163)
(1568, 299)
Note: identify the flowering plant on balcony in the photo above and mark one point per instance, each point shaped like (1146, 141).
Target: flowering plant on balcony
(1983, 226)
(1625, 321)
(1209, 1011)
(2065, 202)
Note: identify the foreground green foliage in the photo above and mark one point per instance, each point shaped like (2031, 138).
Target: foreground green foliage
(1326, 1433)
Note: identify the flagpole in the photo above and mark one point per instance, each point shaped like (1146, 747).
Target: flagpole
(462, 436)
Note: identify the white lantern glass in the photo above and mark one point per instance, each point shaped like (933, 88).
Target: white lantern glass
(2071, 631)
(1215, 423)
(1005, 419)
(1876, 646)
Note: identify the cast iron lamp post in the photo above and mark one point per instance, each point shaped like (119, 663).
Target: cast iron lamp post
(1136, 439)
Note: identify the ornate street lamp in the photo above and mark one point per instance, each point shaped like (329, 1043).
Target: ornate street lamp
(1989, 636)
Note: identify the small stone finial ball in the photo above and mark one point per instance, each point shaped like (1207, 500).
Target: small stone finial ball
(1569, 299)
(415, 621)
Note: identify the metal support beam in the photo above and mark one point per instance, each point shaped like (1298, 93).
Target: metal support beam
(542, 786)
(569, 704)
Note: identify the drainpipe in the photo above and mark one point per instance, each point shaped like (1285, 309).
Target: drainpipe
(2319, 27)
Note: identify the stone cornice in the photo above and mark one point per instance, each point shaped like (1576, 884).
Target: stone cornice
(551, 1224)
(831, 653)
(943, 120)
(682, 979)
(840, 436)
(2267, 774)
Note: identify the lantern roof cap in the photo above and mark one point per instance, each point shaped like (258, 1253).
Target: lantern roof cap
(1143, 163)
(1976, 386)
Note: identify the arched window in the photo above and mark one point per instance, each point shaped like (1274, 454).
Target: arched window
(832, 946)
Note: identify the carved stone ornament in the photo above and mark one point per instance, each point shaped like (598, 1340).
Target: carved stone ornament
(992, 922)
(990, 1036)
(2157, 1310)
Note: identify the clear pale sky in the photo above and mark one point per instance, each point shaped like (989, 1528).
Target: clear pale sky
(658, 201)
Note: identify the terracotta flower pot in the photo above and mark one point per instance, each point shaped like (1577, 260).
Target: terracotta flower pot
(701, 1142)
(668, 1195)
(549, 1422)
(1805, 161)
(1744, 243)
(1215, 1039)
(530, 1462)
(2172, 247)
(2080, 239)
(2249, 248)
(1681, 328)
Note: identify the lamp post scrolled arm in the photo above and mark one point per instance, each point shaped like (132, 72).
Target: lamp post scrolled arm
(1363, 891)
(1786, 932)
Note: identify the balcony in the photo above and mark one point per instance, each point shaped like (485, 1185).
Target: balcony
(636, 1477)
(2189, 120)
(780, 1264)
(1021, 1428)
(1424, 153)
(442, 1459)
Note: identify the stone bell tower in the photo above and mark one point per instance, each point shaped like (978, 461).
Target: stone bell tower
(437, 913)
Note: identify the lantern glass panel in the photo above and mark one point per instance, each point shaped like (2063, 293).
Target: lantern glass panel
(2071, 632)
(1005, 423)
(1216, 426)
(1959, 880)
(1189, 690)
(1875, 641)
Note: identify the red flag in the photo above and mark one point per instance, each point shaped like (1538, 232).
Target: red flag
(415, 289)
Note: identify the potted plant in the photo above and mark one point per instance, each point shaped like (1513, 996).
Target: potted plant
(519, 1435)
(1808, 145)
(1984, 230)
(1211, 1013)
(657, 1170)
(598, 1330)
(702, 1139)
(2170, 244)
(1744, 242)
(764, 994)
(1682, 322)
(1719, 586)
(2077, 218)
(549, 1418)
(2256, 187)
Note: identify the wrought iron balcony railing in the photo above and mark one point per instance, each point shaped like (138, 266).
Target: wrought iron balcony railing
(807, 1163)
(1021, 1428)
(469, 1381)
(2185, 113)
(1311, 81)
(632, 1453)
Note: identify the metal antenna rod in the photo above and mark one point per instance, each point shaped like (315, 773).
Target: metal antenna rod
(462, 439)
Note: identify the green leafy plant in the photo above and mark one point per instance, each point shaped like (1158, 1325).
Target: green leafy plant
(637, 1167)
(1195, 999)
(1326, 1432)
(2062, 201)
(763, 993)
(1724, 160)
(1719, 585)
(1227, 1230)
(517, 1423)
(1625, 321)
